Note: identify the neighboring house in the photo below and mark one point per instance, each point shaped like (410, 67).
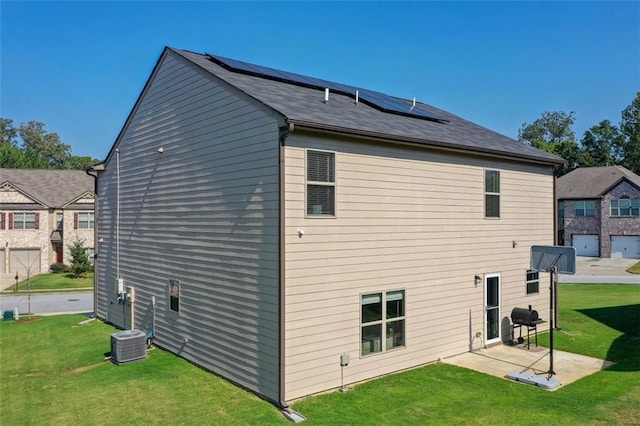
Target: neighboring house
(261, 226)
(599, 212)
(42, 213)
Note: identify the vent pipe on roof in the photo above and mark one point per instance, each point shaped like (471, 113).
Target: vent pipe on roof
(326, 95)
(357, 96)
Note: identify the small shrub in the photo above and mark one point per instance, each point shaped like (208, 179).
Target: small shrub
(79, 259)
(58, 268)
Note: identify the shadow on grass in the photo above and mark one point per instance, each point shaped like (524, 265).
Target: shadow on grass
(625, 350)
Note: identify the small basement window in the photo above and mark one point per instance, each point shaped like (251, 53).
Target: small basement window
(174, 295)
(533, 282)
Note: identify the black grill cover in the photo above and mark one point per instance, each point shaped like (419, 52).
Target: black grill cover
(524, 316)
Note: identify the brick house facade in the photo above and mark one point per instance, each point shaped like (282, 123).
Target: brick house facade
(599, 211)
(42, 213)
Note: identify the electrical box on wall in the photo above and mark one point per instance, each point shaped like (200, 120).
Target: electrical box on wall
(344, 360)
(120, 285)
(131, 294)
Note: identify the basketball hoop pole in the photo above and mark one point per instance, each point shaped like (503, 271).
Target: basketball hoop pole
(552, 274)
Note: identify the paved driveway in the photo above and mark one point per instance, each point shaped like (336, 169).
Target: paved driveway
(602, 270)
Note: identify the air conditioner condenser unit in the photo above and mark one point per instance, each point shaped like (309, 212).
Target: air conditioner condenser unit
(128, 346)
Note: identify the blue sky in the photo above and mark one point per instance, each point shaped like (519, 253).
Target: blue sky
(80, 66)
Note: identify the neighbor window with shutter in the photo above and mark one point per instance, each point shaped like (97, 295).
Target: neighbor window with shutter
(83, 220)
(492, 193)
(24, 221)
(321, 183)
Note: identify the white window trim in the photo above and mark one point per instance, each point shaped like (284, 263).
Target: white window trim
(619, 208)
(584, 208)
(485, 193)
(23, 222)
(90, 220)
(484, 320)
(333, 184)
(527, 281)
(383, 322)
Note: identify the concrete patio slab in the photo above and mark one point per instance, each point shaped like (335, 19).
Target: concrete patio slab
(501, 360)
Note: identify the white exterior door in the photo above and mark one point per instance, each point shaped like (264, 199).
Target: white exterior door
(586, 245)
(492, 308)
(625, 246)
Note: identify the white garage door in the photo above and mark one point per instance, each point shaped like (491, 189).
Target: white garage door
(23, 261)
(586, 245)
(625, 246)
(2, 262)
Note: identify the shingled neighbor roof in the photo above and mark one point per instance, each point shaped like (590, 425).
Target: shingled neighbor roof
(593, 182)
(51, 188)
(304, 106)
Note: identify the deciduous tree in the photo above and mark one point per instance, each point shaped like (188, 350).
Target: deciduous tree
(599, 145)
(8, 133)
(43, 145)
(553, 133)
(629, 146)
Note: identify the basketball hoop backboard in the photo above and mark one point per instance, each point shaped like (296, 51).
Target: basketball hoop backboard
(562, 257)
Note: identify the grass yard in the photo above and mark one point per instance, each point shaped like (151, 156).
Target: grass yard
(52, 372)
(635, 269)
(54, 282)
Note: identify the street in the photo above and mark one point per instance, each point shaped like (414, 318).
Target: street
(48, 303)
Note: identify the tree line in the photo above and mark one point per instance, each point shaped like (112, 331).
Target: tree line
(31, 146)
(603, 144)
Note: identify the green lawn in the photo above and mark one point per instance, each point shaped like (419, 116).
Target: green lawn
(52, 371)
(635, 269)
(54, 282)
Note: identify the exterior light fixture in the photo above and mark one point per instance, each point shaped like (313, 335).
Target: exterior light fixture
(478, 280)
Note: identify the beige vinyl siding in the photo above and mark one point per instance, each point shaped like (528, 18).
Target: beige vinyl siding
(204, 212)
(406, 219)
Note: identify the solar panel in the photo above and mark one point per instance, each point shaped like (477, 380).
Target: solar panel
(377, 100)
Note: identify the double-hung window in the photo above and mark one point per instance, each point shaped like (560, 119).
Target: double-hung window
(533, 282)
(492, 193)
(585, 208)
(25, 221)
(84, 220)
(625, 207)
(382, 321)
(321, 183)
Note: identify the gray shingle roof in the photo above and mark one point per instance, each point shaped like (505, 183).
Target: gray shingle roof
(593, 182)
(305, 106)
(51, 188)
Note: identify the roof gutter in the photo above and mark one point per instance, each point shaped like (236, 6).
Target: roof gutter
(423, 143)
